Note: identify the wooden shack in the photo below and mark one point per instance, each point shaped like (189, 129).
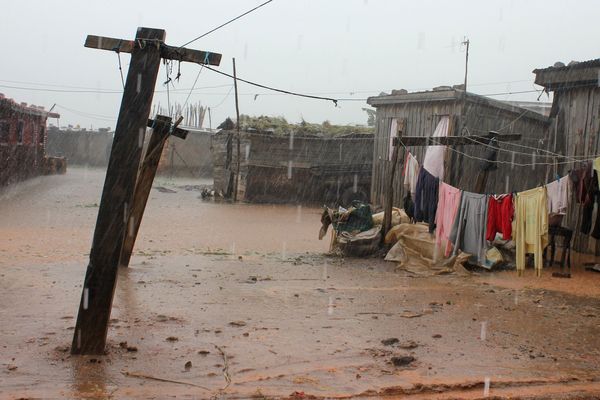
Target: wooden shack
(469, 114)
(293, 169)
(574, 126)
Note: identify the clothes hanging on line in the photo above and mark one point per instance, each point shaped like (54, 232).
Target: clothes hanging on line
(596, 166)
(592, 199)
(434, 156)
(531, 227)
(559, 192)
(448, 202)
(411, 173)
(426, 198)
(581, 179)
(500, 215)
(393, 134)
(468, 229)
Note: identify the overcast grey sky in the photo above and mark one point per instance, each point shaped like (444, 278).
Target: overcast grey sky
(335, 48)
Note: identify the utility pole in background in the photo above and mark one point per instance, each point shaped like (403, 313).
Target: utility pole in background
(462, 123)
(466, 43)
(237, 113)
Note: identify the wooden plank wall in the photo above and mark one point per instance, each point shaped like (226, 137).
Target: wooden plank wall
(508, 177)
(421, 120)
(577, 129)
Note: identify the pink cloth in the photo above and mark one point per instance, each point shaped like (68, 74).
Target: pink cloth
(448, 202)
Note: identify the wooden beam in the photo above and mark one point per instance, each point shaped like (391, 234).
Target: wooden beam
(188, 55)
(112, 44)
(168, 52)
(389, 193)
(454, 140)
(101, 275)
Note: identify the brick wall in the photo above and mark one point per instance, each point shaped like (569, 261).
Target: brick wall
(22, 141)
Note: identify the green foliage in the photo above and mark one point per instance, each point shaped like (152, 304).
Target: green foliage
(279, 126)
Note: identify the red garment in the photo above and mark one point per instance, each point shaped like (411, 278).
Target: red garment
(500, 215)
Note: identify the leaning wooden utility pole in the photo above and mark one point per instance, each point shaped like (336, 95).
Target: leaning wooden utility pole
(161, 130)
(117, 195)
(237, 125)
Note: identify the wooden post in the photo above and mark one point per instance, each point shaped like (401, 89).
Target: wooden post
(101, 275)
(389, 193)
(161, 129)
(237, 125)
(121, 175)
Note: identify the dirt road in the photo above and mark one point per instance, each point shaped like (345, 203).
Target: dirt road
(239, 301)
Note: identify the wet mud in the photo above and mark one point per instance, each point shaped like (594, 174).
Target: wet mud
(240, 301)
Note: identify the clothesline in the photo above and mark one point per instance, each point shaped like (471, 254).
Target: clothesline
(507, 162)
(416, 176)
(549, 154)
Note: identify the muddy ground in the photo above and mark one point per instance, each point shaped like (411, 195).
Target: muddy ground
(240, 301)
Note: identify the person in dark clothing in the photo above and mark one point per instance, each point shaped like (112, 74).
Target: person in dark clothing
(426, 198)
(409, 207)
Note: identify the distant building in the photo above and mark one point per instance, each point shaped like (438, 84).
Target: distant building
(22, 140)
(293, 168)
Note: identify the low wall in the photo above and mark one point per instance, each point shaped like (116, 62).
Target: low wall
(80, 147)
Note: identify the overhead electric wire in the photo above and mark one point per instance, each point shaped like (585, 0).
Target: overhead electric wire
(192, 88)
(106, 91)
(224, 98)
(226, 23)
(272, 88)
(87, 114)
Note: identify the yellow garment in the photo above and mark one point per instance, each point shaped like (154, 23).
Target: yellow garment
(597, 168)
(531, 223)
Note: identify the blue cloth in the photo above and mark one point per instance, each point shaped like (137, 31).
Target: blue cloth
(426, 198)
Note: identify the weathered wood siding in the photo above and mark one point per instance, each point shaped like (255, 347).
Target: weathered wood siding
(421, 119)
(576, 126)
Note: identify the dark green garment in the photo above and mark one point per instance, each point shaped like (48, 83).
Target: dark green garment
(360, 219)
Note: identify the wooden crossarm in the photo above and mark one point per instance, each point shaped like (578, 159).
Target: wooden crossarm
(179, 132)
(166, 51)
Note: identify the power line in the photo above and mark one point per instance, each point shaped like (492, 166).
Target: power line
(112, 90)
(85, 114)
(106, 91)
(272, 88)
(227, 23)
(62, 90)
(509, 93)
(224, 98)
(192, 88)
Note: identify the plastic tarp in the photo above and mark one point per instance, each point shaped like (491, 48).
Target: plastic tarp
(398, 217)
(414, 249)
